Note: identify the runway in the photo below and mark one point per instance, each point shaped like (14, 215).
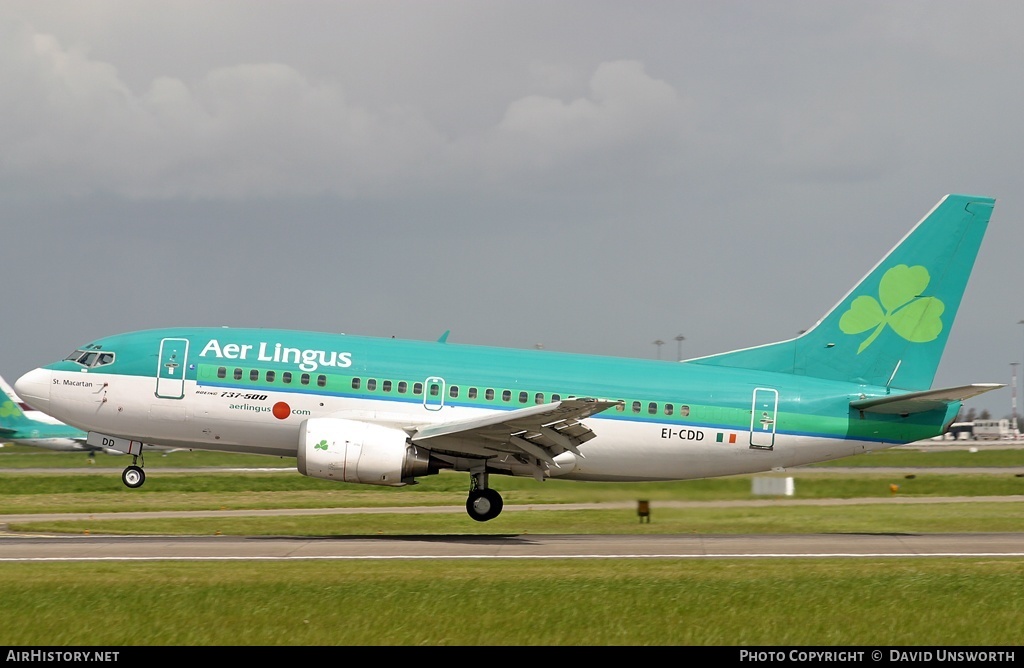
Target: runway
(63, 548)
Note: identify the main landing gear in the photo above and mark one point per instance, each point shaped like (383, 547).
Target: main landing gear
(483, 503)
(133, 476)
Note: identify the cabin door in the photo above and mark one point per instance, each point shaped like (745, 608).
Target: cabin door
(170, 370)
(763, 411)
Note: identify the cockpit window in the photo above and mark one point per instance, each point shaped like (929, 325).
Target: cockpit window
(91, 358)
(88, 359)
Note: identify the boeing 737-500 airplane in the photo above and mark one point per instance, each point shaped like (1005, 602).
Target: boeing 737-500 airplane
(384, 411)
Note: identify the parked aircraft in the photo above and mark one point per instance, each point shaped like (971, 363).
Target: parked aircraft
(385, 411)
(23, 425)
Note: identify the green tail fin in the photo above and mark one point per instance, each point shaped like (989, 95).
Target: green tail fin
(891, 328)
(12, 414)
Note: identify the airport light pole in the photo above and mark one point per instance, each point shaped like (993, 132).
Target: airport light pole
(659, 343)
(1016, 432)
(679, 347)
(1013, 401)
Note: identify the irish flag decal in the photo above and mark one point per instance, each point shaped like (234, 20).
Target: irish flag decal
(723, 438)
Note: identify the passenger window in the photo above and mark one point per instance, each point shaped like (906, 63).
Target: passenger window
(417, 389)
(453, 391)
(556, 397)
(621, 406)
(321, 380)
(523, 397)
(270, 376)
(539, 398)
(304, 379)
(668, 409)
(402, 386)
(489, 394)
(636, 406)
(371, 384)
(222, 373)
(472, 393)
(238, 374)
(355, 383)
(386, 385)
(254, 374)
(506, 395)
(652, 408)
(435, 389)
(684, 411)
(287, 377)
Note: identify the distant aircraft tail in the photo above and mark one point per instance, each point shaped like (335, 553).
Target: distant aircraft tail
(12, 410)
(890, 330)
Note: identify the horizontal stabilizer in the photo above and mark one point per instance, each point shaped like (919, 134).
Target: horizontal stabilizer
(921, 402)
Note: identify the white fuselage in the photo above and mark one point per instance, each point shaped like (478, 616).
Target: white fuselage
(269, 423)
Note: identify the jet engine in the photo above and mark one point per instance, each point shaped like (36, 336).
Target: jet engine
(353, 451)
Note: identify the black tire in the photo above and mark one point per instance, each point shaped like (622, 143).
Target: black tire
(133, 477)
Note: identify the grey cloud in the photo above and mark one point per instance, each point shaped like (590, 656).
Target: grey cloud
(265, 129)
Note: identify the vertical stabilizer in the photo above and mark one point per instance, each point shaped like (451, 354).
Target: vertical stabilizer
(892, 327)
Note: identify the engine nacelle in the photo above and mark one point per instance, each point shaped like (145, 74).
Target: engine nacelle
(353, 451)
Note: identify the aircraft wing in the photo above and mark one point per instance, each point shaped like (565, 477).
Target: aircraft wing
(920, 402)
(533, 435)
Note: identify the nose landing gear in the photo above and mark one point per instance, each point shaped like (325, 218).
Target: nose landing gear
(133, 476)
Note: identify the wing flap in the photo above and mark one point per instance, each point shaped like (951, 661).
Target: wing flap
(534, 434)
(921, 402)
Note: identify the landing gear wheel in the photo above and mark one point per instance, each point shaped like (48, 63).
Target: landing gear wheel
(133, 477)
(484, 504)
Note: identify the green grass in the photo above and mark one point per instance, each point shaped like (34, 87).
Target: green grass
(22, 492)
(892, 601)
(929, 518)
(791, 602)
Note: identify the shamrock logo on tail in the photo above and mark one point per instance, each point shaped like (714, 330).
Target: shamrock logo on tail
(900, 305)
(7, 409)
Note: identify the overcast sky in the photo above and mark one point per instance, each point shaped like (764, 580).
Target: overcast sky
(586, 176)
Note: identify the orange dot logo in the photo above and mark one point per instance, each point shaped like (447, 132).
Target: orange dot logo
(282, 410)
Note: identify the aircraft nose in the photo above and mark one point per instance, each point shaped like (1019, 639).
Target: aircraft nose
(34, 388)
